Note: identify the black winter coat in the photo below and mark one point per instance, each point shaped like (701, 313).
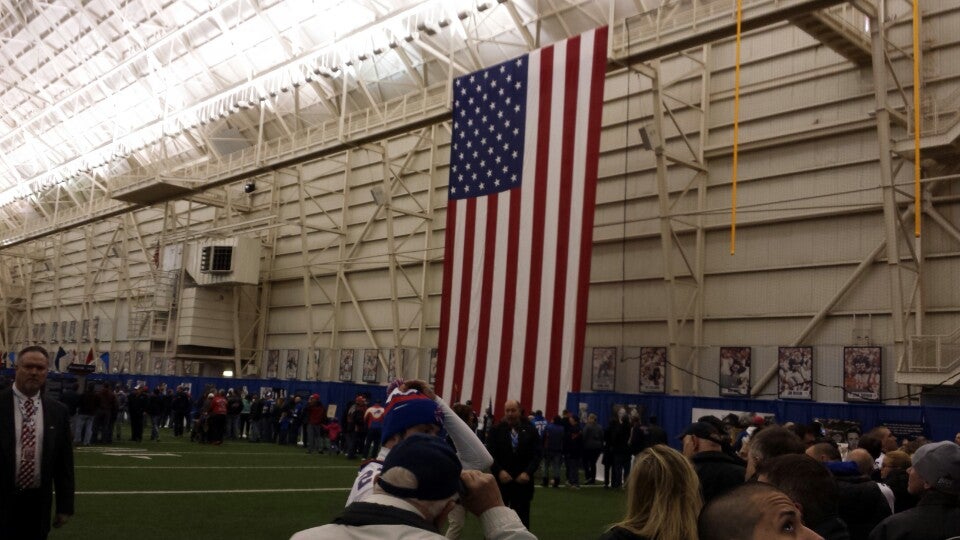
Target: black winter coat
(525, 458)
(936, 517)
(718, 473)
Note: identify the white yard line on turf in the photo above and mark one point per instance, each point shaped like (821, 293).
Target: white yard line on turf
(175, 448)
(241, 467)
(208, 491)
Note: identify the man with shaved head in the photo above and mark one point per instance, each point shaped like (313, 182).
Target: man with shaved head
(515, 446)
(753, 511)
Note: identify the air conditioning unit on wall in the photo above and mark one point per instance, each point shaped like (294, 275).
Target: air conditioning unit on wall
(224, 261)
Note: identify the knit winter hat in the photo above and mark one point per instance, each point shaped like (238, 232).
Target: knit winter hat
(407, 410)
(939, 465)
(432, 463)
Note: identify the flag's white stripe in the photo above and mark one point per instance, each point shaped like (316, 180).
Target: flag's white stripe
(476, 296)
(584, 80)
(526, 232)
(497, 295)
(456, 281)
(550, 233)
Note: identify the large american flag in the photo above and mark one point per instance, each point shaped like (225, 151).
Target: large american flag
(523, 171)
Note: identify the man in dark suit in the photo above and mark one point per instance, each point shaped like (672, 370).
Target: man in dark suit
(36, 453)
(516, 449)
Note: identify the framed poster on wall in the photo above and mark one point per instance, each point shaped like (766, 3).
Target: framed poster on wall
(346, 365)
(293, 363)
(313, 365)
(273, 363)
(861, 373)
(604, 369)
(370, 363)
(653, 370)
(395, 365)
(735, 371)
(796, 372)
(434, 354)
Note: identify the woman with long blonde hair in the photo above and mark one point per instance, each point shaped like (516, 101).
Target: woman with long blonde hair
(663, 498)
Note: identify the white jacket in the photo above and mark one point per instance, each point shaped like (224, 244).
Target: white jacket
(499, 523)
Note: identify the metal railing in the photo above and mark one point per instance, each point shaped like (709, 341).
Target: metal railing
(394, 113)
(934, 353)
(655, 24)
(851, 18)
(939, 116)
(354, 126)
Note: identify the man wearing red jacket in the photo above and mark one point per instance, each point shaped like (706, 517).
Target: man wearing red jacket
(314, 416)
(218, 418)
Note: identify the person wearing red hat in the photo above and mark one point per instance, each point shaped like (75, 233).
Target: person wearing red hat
(315, 416)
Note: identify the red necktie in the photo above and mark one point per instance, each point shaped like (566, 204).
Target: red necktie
(27, 470)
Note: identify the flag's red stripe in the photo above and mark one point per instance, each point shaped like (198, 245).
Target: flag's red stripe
(483, 337)
(450, 238)
(509, 302)
(539, 211)
(589, 196)
(564, 232)
(463, 318)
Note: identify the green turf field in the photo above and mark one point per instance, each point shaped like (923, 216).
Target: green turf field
(177, 489)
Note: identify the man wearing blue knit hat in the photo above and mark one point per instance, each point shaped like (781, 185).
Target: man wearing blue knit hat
(412, 407)
(420, 483)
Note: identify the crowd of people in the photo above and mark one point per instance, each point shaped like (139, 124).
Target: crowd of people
(739, 478)
(736, 478)
(99, 412)
(427, 464)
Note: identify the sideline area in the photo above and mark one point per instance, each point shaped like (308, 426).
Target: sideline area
(257, 490)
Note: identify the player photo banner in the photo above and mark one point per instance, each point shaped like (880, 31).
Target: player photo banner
(346, 365)
(861, 374)
(293, 364)
(796, 372)
(653, 370)
(371, 363)
(313, 365)
(395, 365)
(604, 368)
(434, 354)
(273, 363)
(735, 371)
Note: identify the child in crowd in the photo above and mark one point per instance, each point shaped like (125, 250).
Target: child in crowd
(333, 433)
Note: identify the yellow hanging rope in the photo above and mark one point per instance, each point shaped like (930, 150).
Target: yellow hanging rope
(736, 133)
(916, 118)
